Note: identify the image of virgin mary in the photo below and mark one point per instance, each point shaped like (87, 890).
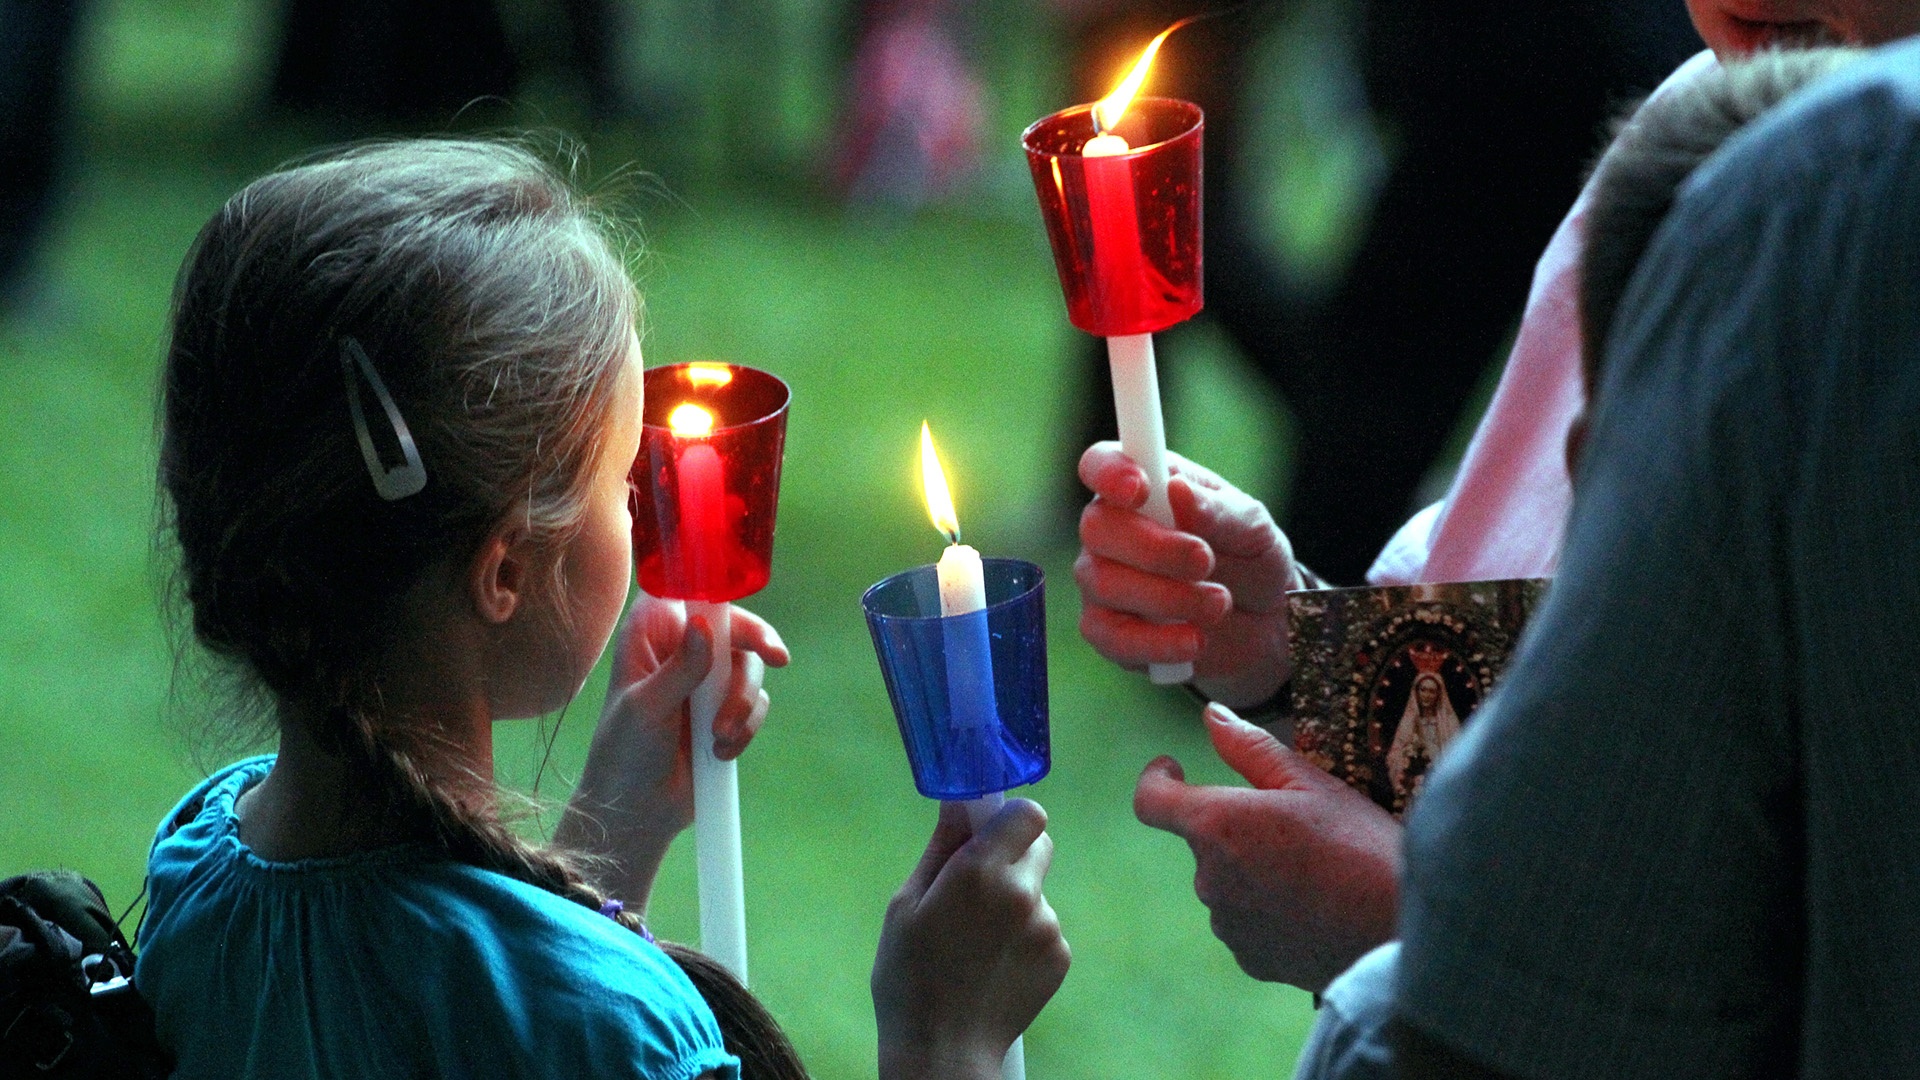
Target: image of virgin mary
(1426, 726)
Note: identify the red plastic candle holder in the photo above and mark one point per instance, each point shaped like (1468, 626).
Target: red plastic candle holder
(704, 504)
(1126, 228)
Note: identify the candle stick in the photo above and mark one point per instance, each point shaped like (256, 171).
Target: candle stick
(700, 498)
(716, 808)
(969, 654)
(963, 591)
(1136, 383)
(707, 481)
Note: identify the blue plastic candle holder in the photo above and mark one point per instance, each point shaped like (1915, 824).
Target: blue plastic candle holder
(971, 750)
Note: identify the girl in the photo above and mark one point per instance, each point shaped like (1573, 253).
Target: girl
(400, 403)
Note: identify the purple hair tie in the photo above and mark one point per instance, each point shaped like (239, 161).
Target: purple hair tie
(612, 908)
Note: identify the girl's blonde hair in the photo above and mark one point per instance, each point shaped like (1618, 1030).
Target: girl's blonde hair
(496, 316)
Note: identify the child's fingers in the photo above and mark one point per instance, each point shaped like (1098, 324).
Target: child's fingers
(652, 629)
(754, 634)
(1029, 871)
(1012, 832)
(743, 688)
(733, 743)
(686, 666)
(950, 833)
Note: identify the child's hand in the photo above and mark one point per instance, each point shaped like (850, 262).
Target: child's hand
(1213, 592)
(636, 789)
(971, 951)
(658, 659)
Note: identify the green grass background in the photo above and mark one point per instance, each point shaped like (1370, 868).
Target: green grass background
(952, 316)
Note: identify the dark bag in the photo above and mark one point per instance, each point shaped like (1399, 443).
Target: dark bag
(68, 1008)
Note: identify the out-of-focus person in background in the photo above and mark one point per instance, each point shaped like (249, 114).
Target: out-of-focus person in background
(36, 65)
(914, 119)
(1489, 113)
(405, 62)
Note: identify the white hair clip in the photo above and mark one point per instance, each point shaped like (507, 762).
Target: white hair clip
(401, 480)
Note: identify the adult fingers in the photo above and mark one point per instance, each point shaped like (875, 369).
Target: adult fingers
(1265, 761)
(1112, 476)
(1162, 797)
(753, 634)
(1120, 534)
(1180, 465)
(1133, 642)
(1110, 584)
(1251, 751)
(1234, 522)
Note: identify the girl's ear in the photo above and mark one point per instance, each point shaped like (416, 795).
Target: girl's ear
(498, 577)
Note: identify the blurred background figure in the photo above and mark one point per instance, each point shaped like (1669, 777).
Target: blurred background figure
(390, 61)
(36, 63)
(914, 120)
(1488, 114)
(398, 62)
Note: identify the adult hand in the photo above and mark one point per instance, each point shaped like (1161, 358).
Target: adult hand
(1300, 872)
(636, 788)
(1212, 592)
(970, 951)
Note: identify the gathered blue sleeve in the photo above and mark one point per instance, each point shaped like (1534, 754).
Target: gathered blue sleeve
(397, 962)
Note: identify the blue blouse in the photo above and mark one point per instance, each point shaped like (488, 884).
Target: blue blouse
(396, 963)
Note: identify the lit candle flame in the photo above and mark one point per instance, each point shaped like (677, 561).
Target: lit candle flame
(709, 374)
(1108, 110)
(690, 421)
(939, 497)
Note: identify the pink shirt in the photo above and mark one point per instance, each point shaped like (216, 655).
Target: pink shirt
(1507, 510)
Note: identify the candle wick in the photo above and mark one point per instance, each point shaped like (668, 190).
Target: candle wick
(952, 537)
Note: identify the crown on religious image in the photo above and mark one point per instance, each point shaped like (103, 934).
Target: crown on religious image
(1427, 657)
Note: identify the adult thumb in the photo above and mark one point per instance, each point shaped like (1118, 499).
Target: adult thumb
(1161, 795)
(1252, 751)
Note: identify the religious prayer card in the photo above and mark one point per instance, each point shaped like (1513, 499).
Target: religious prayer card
(1383, 678)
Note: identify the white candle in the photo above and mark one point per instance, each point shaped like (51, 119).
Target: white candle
(701, 494)
(700, 498)
(969, 652)
(979, 812)
(716, 808)
(1136, 383)
(969, 648)
(703, 507)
